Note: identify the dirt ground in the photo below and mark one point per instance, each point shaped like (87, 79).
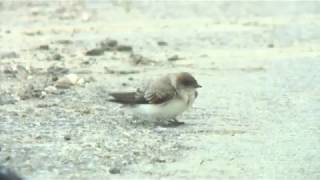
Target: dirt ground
(256, 117)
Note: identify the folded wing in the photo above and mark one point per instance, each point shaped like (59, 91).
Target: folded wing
(155, 93)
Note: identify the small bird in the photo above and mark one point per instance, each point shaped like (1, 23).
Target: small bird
(161, 99)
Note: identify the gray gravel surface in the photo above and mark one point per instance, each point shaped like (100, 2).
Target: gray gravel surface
(256, 117)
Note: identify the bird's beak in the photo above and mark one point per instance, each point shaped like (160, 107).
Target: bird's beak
(198, 86)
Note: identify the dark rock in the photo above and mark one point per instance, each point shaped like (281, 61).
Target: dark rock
(174, 58)
(270, 45)
(108, 44)
(67, 137)
(33, 33)
(44, 47)
(64, 42)
(7, 158)
(95, 52)
(124, 48)
(114, 170)
(57, 57)
(159, 160)
(57, 70)
(162, 43)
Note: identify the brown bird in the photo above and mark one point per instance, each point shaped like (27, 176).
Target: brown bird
(163, 98)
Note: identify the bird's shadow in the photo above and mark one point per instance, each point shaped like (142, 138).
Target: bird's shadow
(153, 124)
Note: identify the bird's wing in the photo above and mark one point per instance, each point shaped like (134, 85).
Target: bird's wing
(128, 98)
(159, 91)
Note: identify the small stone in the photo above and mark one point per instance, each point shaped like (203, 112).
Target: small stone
(124, 48)
(80, 81)
(204, 55)
(270, 45)
(174, 58)
(67, 137)
(44, 47)
(64, 42)
(95, 52)
(114, 170)
(57, 70)
(57, 57)
(108, 44)
(68, 81)
(162, 43)
(7, 158)
(159, 160)
(85, 16)
(51, 90)
(89, 79)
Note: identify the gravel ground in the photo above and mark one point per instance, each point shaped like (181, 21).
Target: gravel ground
(256, 117)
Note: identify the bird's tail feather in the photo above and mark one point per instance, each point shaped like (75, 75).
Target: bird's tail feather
(123, 97)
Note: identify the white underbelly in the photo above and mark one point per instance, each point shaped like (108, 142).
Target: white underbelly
(168, 110)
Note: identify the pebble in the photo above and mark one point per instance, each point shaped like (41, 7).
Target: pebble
(95, 52)
(64, 41)
(69, 80)
(124, 48)
(162, 43)
(67, 137)
(44, 47)
(57, 57)
(174, 58)
(114, 170)
(270, 45)
(130, 78)
(57, 70)
(108, 44)
(51, 90)
(159, 160)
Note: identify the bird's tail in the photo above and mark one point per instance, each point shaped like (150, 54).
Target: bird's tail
(123, 97)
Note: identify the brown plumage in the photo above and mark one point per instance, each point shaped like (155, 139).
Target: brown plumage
(127, 98)
(158, 91)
